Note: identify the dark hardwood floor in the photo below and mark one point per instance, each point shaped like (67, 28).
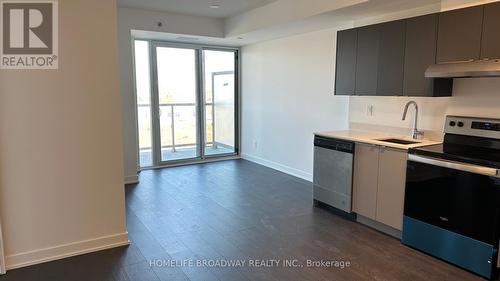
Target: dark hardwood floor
(241, 211)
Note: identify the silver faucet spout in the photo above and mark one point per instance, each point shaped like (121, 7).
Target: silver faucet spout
(416, 133)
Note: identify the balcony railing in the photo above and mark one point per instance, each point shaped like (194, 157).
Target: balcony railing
(171, 111)
(172, 107)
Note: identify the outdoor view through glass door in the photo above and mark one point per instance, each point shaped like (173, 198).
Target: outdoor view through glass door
(186, 102)
(219, 77)
(177, 100)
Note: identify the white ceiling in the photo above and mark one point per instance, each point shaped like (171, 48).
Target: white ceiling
(227, 8)
(282, 18)
(262, 24)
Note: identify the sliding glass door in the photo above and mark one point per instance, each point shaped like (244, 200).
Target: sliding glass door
(219, 101)
(193, 103)
(177, 100)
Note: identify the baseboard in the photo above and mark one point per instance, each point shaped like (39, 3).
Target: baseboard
(277, 166)
(66, 250)
(131, 179)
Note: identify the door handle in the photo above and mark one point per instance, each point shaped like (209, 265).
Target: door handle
(471, 168)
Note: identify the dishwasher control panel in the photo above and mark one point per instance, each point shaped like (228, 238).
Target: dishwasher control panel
(334, 144)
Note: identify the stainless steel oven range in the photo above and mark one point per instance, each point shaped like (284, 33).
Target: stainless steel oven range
(452, 196)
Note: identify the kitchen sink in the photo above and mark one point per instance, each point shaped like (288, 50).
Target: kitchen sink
(399, 141)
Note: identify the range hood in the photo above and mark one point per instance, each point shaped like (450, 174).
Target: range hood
(474, 69)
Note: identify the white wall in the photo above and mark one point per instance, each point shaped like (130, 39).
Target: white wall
(287, 95)
(61, 167)
(471, 97)
(136, 19)
(457, 4)
(171, 22)
(282, 12)
(287, 85)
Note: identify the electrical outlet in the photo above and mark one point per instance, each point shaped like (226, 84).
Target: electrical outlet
(369, 110)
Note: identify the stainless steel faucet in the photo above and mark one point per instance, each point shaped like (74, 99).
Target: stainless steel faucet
(416, 133)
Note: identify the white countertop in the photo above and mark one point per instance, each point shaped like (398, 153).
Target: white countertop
(374, 138)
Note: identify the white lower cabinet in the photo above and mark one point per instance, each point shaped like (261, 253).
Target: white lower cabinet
(379, 183)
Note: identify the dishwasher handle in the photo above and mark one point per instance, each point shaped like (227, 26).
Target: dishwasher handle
(334, 144)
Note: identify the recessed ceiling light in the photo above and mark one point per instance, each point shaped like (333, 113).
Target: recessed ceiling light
(215, 6)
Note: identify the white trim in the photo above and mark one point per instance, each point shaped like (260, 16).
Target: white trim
(136, 113)
(131, 179)
(66, 250)
(277, 166)
(2, 253)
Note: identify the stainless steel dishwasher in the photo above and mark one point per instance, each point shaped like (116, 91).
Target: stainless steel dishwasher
(332, 174)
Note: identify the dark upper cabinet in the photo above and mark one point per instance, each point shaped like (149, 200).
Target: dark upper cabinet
(420, 52)
(459, 35)
(390, 59)
(391, 52)
(490, 44)
(367, 60)
(345, 73)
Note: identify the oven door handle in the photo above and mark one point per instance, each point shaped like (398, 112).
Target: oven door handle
(476, 169)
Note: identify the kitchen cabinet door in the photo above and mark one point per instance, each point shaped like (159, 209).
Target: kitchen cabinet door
(459, 35)
(490, 44)
(345, 71)
(367, 60)
(420, 53)
(366, 158)
(391, 187)
(391, 58)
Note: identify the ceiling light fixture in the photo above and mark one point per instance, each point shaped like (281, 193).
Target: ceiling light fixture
(214, 6)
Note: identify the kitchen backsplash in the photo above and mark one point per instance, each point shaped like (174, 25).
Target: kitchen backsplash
(471, 97)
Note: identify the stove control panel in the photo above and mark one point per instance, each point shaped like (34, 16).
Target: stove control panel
(472, 126)
(488, 126)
